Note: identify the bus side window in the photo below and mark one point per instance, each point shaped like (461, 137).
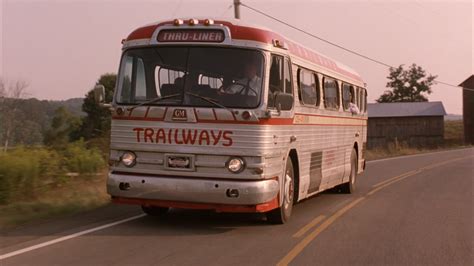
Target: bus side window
(331, 93)
(308, 88)
(140, 82)
(287, 75)
(348, 96)
(365, 100)
(275, 80)
(359, 98)
(125, 83)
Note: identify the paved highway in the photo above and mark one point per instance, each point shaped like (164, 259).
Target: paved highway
(414, 210)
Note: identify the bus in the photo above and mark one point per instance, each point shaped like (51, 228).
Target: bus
(230, 117)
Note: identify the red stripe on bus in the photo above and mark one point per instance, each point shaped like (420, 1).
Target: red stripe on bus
(263, 207)
(331, 116)
(271, 121)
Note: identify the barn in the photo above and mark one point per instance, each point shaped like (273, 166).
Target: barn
(418, 124)
(468, 109)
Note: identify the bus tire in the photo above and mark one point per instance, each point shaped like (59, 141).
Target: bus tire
(350, 186)
(282, 214)
(154, 210)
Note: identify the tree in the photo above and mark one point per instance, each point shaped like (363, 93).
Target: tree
(409, 85)
(10, 95)
(97, 121)
(63, 127)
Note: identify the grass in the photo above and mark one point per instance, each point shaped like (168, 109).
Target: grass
(77, 195)
(453, 138)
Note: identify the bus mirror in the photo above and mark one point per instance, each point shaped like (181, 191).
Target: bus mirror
(284, 101)
(99, 93)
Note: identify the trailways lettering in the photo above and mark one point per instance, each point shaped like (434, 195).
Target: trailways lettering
(184, 136)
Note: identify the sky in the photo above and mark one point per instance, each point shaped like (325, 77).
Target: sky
(62, 47)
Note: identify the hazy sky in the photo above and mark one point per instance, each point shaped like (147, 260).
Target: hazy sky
(62, 47)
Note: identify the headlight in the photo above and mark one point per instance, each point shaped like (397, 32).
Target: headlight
(128, 159)
(235, 165)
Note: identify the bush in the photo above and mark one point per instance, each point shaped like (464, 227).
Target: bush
(82, 160)
(23, 171)
(26, 171)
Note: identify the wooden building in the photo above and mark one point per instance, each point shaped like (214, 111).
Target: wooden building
(418, 124)
(468, 109)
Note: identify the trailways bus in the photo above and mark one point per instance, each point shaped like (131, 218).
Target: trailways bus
(230, 117)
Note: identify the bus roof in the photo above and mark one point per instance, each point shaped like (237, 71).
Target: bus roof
(247, 32)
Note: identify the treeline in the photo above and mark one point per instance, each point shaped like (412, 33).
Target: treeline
(47, 143)
(32, 119)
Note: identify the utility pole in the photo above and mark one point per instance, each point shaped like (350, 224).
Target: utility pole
(237, 9)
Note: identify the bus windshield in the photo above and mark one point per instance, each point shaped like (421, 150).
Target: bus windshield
(191, 76)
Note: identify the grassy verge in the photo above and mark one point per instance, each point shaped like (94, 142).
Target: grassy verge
(77, 195)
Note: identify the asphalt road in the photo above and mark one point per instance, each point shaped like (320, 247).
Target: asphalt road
(415, 210)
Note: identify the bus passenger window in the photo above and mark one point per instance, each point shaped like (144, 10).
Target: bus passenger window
(331, 93)
(348, 96)
(365, 100)
(308, 88)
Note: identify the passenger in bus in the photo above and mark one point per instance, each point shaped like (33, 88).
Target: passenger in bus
(352, 106)
(248, 85)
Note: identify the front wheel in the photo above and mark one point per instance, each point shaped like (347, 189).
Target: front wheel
(155, 211)
(350, 186)
(282, 214)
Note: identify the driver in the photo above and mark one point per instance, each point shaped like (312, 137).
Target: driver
(249, 84)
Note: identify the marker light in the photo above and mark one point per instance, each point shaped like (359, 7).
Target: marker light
(235, 165)
(193, 22)
(208, 22)
(246, 115)
(128, 159)
(178, 22)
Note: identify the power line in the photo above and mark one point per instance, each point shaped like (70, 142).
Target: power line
(332, 43)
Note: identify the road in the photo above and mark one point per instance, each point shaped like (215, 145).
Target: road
(414, 210)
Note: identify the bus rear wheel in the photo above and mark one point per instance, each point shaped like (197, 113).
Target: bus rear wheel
(154, 210)
(350, 186)
(282, 214)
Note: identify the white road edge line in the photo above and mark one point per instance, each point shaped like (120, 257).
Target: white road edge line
(416, 155)
(64, 238)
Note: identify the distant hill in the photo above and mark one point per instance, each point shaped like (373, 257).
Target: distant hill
(450, 117)
(33, 119)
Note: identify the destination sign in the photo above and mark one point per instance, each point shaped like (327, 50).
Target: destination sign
(191, 36)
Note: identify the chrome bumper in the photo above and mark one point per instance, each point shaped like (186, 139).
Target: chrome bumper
(191, 190)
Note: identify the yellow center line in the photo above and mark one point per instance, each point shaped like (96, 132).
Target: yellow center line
(412, 173)
(318, 230)
(310, 225)
(305, 241)
(395, 177)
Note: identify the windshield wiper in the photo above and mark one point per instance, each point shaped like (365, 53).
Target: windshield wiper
(209, 100)
(154, 100)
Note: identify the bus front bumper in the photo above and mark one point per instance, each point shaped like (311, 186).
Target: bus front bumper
(192, 193)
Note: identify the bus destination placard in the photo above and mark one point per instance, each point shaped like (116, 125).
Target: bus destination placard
(191, 36)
